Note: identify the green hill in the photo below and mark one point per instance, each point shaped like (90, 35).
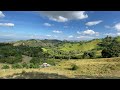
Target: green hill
(65, 46)
(36, 43)
(85, 46)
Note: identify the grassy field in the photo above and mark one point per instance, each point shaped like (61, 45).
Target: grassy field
(84, 47)
(88, 69)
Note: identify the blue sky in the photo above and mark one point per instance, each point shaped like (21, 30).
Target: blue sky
(62, 25)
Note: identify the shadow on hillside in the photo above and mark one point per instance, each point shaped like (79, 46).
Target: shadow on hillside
(94, 77)
(34, 75)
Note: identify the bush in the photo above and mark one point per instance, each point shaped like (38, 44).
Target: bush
(11, 59)
(89, 54)
(51, 61)
(86, 55)
(17, 66)
(2, 60)
(5, 67)
(74, 67)
(25, 65)
(35, 60)
(76, 57)
(31, 65)
(92, 54)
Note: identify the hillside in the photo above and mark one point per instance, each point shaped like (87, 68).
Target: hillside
(65, 46)
(85, 46)
(36, 43)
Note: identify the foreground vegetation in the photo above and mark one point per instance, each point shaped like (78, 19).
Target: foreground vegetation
(86, 69)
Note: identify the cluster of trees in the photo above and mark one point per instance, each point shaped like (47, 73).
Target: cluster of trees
(13, 54)
(11, 59)
(89, 54)
(111, 47)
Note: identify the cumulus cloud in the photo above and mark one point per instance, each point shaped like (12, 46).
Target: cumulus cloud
(90, 32)
(57, 31)
(64, 16)
(70, 36)
(59, 19)
(47, 24)
(93, 23)
(7, 24)
(117, 27)
(1, 14)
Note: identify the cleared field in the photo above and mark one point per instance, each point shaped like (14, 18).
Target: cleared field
(88, 68)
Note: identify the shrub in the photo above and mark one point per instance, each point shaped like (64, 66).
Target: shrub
(89, 54)
(51, 61)
(92, 54)
(11, 59)
(35, 60)
(76, 57)
(86, 55)
(5, 67)
(74, 67)
(25, 65)
(17, 66)
(31, 65)
(2, 60)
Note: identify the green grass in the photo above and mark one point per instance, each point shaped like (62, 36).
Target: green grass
(84, 47)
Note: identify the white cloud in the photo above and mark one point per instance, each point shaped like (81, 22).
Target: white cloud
(47, 24)
(7, 24)
(1, 14)
(93, 23)
(64, 16)
(59, 19)
(70, 36)
(90, 32)
(57, 31)
(117, 26)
